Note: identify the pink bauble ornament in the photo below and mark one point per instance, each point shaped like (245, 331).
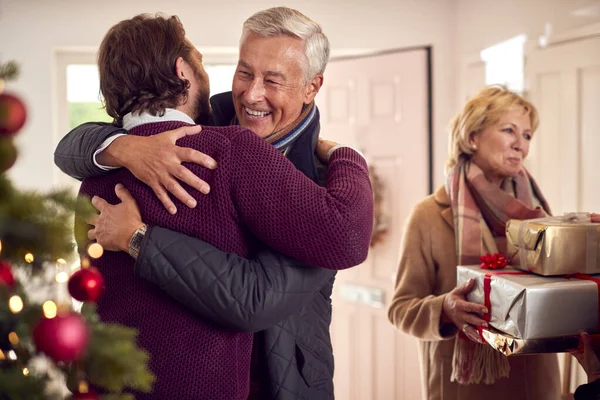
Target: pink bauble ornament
(62, 338)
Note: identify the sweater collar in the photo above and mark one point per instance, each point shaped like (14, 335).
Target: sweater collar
(131, 120)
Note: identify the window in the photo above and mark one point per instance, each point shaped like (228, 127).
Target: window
(83, 95)
(221, 76)
(505, 63)
(85, 101)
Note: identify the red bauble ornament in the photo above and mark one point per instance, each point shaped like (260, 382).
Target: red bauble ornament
(12, 114)
(62, 338)
(6, 275)
(8, 154)
(84, 396)
(87, 284)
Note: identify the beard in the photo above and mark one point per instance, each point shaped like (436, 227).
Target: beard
(203, 109)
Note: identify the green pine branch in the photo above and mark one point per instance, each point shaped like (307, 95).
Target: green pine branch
(9, 71)
(41, 224)
(114, 362)
(16, 386)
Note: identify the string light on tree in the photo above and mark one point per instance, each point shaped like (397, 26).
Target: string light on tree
(95, 250)
(61, 277)
(84, 393)
(15, 303)
(13, 338)
(50, 309)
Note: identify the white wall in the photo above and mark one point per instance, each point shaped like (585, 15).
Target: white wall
(32, 30)
(482, 23)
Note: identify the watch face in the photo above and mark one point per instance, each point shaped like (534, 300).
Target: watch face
(136, 241)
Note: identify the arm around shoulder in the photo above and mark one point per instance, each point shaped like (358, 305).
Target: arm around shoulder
(326, 226)
(74, 154)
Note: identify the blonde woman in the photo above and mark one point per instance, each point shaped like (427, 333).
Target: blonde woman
(487, 185)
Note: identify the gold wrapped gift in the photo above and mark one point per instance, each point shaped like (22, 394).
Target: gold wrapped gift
(509, 345)
(555, 245)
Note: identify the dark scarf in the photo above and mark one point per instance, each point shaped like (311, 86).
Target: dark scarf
(284, 138)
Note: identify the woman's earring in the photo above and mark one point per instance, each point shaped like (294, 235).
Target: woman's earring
(474, 147)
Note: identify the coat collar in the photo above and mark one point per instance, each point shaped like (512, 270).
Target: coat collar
(441, 197)
(131, 120)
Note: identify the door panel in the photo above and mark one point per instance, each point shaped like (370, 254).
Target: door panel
(379, 105)
(564, 83)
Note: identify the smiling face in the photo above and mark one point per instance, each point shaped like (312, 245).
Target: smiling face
(268, 86)
(501, 147)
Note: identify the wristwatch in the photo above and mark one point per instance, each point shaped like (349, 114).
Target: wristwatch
(136, 241)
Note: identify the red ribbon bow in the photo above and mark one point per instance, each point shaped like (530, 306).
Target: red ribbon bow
(493, 261)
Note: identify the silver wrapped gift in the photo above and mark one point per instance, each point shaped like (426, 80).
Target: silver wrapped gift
(529, 306)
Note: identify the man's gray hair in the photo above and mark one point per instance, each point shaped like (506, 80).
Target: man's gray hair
(286, 21)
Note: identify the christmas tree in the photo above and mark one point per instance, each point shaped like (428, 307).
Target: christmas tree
(45, 341)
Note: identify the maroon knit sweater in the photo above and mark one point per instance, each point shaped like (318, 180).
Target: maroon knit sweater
(255, 193)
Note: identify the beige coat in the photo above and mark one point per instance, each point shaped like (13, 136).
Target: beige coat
(427, 271)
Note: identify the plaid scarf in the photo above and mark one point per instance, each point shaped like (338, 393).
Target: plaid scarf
(284, 138)
(481, 210)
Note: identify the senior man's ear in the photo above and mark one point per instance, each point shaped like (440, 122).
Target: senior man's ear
(312, 88)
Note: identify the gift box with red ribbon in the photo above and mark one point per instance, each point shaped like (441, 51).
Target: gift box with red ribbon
(549, 246)
(529, 306)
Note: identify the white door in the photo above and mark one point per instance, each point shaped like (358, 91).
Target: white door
(564, 84)
(380, 105)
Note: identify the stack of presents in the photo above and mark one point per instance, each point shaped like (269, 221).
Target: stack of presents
(550, 292)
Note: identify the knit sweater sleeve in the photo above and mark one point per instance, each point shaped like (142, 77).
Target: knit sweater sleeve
(326, 226)
(414, 309)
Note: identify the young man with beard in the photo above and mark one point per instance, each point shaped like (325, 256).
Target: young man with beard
(283, 55)
(151, 89)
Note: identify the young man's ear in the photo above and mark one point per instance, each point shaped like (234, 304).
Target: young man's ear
(312, 88)
(179, 63)
(183, 69)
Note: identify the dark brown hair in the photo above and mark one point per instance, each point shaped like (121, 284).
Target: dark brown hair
(136, 62)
